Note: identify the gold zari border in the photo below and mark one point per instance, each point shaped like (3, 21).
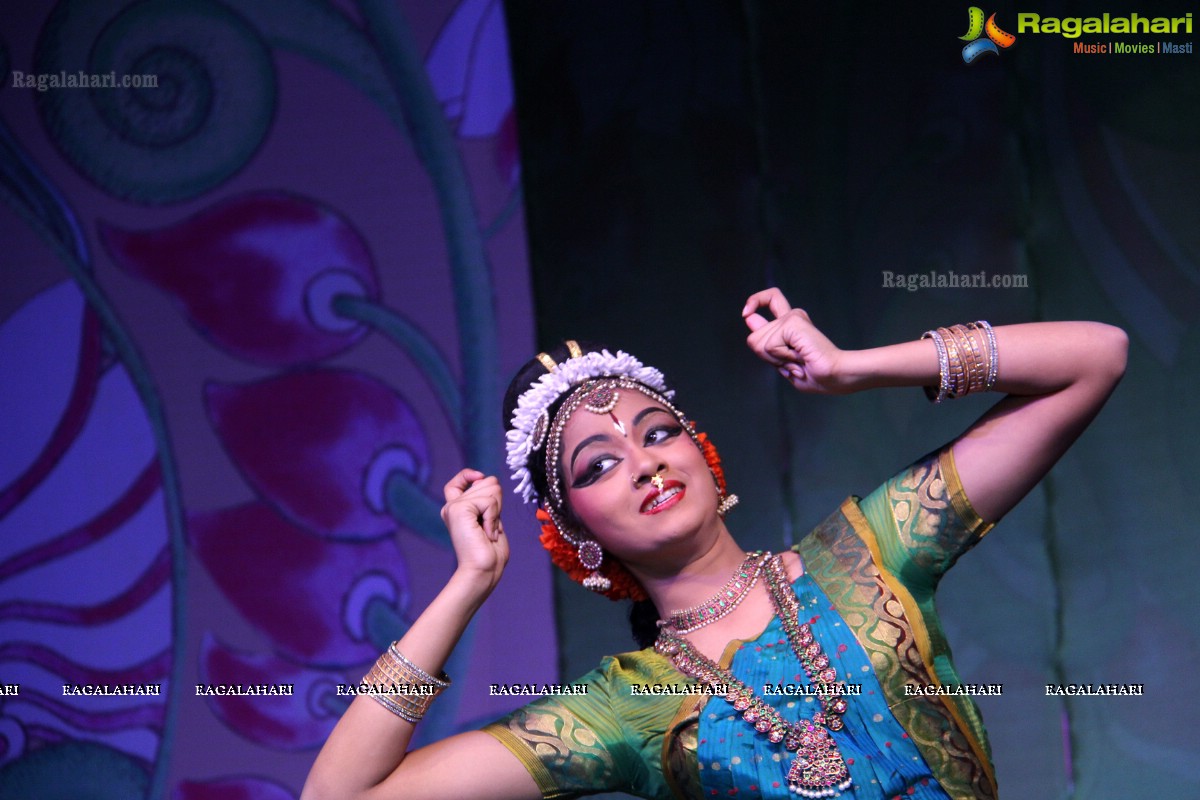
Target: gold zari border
(843, 558)
(521, 749)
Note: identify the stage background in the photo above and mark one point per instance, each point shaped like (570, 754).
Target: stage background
(252, 320)
(679, 156)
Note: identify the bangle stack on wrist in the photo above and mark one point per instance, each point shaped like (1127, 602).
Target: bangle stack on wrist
(402, 687)
(967, 360)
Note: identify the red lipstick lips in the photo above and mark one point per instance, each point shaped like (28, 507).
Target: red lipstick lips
(659, 500)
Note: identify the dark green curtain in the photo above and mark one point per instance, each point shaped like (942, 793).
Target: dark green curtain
(679, 156)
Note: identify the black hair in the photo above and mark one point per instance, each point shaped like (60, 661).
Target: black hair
(643, 622)
(643, 615)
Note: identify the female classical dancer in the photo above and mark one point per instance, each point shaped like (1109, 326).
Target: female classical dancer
(819, 672)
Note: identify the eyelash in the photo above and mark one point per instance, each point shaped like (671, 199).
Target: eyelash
(591, 474)
(671, 432)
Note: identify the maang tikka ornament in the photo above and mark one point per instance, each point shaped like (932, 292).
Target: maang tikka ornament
(602, 398)
(594, 381)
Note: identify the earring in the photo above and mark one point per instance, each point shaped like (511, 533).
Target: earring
(591, 555)
(725, 502)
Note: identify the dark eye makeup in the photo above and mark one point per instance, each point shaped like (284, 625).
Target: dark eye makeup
(595, 468)
(661, 433)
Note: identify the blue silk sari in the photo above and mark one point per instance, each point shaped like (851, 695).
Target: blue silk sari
(871, 569)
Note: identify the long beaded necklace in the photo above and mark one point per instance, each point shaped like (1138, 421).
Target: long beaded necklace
(818, 769)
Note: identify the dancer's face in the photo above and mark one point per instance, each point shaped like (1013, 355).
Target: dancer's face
(635, 479)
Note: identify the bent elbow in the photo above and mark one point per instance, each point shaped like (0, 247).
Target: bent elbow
(317, 789)
(1112, 354)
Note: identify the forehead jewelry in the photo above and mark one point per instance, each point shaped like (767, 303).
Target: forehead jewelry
(602, 399)
(595, 380)
(597, 396)
(530, 426)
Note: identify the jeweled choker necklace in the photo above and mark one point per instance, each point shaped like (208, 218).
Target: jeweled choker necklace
(818, 769)
(723, 602)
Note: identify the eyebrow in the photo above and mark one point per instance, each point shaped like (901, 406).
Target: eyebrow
(645, 412)
(600, 437)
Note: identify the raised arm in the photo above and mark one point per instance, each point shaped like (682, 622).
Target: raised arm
(1057, 376)
(366, 755)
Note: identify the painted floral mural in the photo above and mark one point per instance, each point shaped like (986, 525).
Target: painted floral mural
(237, 372)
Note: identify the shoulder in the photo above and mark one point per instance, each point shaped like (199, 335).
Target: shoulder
(793, 563)
(637, 666)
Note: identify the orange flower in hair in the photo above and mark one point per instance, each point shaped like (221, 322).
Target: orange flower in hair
(712, 459)
(565, 556)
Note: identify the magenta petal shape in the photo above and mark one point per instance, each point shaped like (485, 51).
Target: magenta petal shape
(286, 722)
(257, 274)
(306, 593)
(319, 446)
(231, 789)
(508, 157)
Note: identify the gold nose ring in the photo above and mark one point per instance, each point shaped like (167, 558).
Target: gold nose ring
(657, 480)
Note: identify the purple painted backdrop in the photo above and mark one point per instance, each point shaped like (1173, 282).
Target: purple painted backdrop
(252, 319)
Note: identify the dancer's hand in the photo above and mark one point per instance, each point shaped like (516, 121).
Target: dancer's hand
(802, 354)
(472, 516)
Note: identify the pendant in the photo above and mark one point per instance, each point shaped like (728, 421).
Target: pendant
(818, 769)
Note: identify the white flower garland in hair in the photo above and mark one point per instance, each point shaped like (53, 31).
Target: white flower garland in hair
(530, 419)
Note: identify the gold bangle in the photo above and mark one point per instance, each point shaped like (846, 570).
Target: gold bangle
(958, 378)
(979, 372)
(967, 361)
(974, 363)
(993, 361)
(980, 381)
(402, 687)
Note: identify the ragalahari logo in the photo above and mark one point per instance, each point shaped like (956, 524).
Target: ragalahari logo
(976, 27)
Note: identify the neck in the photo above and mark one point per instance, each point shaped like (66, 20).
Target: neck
(696, 579)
